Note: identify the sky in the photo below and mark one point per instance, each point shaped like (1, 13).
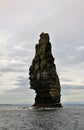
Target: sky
(21, 23)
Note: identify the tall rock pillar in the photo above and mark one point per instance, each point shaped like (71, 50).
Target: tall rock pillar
(43, 76)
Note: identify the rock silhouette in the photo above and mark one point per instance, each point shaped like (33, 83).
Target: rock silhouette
(43, 76)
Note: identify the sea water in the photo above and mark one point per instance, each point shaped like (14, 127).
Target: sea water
(26, 118)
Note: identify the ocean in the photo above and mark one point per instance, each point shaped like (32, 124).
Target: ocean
(70, 117)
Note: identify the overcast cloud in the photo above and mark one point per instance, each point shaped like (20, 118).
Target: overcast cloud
(21, 23)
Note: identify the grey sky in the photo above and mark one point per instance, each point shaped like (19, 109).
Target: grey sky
(21, 23)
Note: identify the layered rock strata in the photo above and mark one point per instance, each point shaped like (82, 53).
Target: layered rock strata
(43, 76)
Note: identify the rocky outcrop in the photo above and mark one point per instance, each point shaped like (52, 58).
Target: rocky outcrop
(43, 76)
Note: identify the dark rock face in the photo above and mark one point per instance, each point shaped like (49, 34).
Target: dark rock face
(43, 77)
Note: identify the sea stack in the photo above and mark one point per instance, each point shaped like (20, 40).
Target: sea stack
(43, 76)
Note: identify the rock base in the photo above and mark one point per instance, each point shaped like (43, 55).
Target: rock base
(39, 106)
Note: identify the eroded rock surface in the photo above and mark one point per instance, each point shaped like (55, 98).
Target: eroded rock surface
(43, 76)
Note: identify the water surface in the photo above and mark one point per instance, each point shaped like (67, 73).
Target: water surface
(24, 118)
